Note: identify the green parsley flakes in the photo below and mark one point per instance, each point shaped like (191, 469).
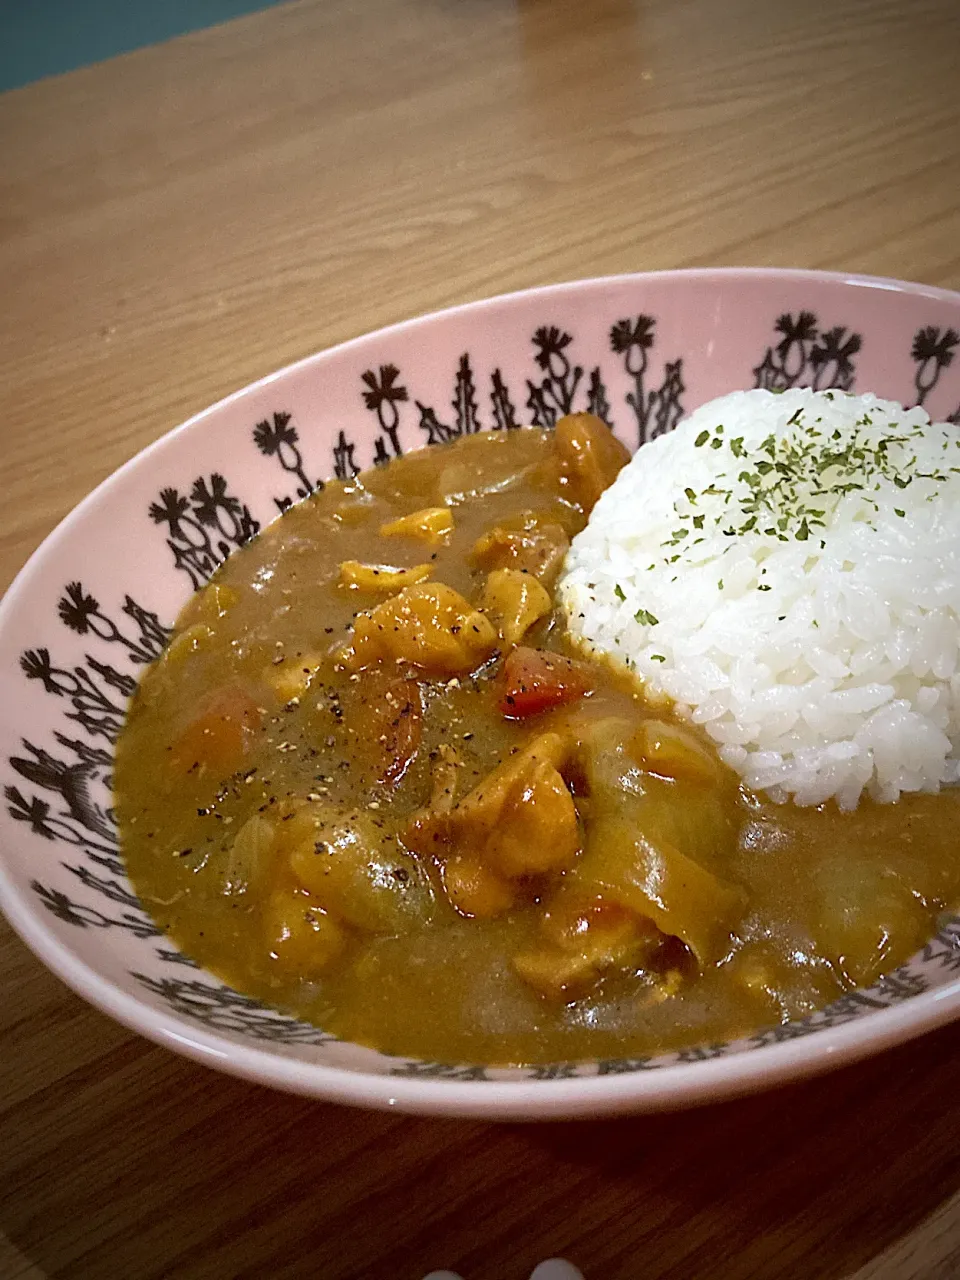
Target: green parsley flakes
(786, 486)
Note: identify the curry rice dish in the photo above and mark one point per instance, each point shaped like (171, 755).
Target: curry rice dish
(386, 776)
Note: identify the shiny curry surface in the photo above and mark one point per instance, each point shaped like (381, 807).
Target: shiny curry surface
(370, 783)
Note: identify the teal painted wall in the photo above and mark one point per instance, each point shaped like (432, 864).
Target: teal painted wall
(44, 37)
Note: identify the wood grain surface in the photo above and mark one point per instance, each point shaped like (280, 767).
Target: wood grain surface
(179, 221)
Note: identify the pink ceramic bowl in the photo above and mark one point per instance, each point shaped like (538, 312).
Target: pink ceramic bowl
(93, 606)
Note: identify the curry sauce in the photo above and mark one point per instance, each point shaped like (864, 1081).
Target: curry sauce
(371, 783)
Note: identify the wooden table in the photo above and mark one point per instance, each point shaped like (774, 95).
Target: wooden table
(179, 221)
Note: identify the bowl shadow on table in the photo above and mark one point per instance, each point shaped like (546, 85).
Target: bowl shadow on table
(165, 1169)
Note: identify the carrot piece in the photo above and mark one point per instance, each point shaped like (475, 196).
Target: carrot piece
(218, 737)
(534, 681)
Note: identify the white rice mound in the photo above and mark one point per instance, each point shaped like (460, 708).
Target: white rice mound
(819, 651)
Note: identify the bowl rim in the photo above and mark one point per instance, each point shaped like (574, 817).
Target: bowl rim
(660, 1088)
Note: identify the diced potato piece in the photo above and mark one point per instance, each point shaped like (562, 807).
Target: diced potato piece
(219, 737)
(292, 677)
(430, 626)
(785, 974)
(475, 890)
(381, 577)
(582, 942)
(673, 752)
(554, 973)
(514, 601)
(667, 987)
(356, 868)
(195, 637)
(356, 506)
(432, 525)
(209, 605)
(756, 976)
(250, 856)
(536, 548)
(301, 936)
(591, 456)
(520, 821)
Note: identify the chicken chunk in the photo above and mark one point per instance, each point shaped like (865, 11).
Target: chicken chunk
(382, 723)
(429, 626)
(582, 941)
(474, 889)
(514, 601)
(519, 822)
(533, 547)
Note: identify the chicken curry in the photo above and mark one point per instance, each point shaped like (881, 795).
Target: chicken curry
(371, 783)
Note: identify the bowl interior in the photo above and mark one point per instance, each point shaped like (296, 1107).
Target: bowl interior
(94, 606)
